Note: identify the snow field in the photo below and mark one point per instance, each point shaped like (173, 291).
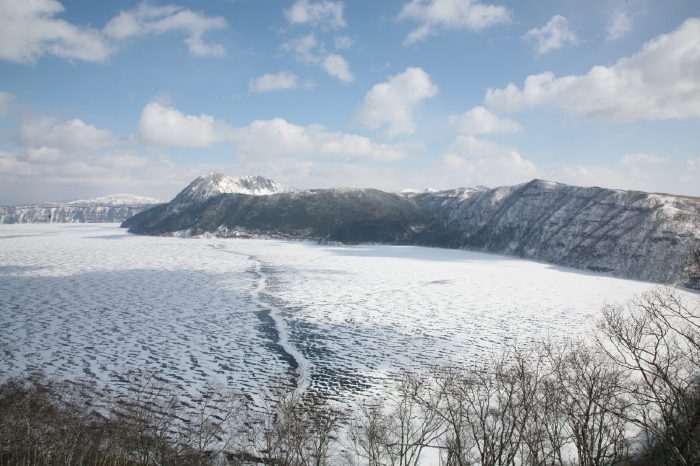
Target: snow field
(93, 302)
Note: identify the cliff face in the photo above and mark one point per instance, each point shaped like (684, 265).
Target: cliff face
(114, 208)
(628, 233)
(69, 213)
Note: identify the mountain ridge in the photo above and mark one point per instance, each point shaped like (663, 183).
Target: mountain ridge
(631, 234)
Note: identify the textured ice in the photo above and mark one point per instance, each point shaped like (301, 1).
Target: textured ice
(92, 302)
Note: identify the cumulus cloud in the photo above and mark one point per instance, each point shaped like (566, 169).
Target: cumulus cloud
(552, 36)
(307, 49)
(338, 67)
(694, 164)
(619, 25)
(433, 16)
(598, 175)
(392, 102)
(56, 160)
(31, 29)
(73, 135)
(38, 175)
(325, 13)
(282, 81)
(147, 19)
(11, 165)
(279, 138)
(480, 120)
(304, 49)
(660, 82)
(164, 126)
(5, 103)
(342, 42)
(482, 162)
(643, 159)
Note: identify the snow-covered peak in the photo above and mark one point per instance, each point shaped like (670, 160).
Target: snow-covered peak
(408, 191)
(118, 199)
(213, 184)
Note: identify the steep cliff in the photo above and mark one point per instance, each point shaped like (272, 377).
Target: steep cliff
(108, 209)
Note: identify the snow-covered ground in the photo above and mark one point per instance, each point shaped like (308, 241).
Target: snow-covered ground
(92, 301)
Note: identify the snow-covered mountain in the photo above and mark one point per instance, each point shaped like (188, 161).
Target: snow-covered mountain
(345, 215)
(627, 233)
(214, 184)
(113, 208)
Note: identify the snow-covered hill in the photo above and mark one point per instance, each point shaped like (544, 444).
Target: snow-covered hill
(627, 233)
(113, 208)
(214, 184)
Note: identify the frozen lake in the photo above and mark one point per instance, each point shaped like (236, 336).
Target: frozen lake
(91, 301)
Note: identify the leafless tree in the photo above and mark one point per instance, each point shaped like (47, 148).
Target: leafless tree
(367, 435)
(486, 409)
(214, 423)
(590, 404)
(146, 420)
(396, 429)
(656, 340)
(692, 269)
(292, 430)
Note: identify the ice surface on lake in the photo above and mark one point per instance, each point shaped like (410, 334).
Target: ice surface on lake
(92, 302)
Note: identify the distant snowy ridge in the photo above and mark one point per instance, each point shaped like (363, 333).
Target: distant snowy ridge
(113, 208)
(118, 199)
(626, 233)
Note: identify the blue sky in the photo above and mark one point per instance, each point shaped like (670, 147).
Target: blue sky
(104, 97)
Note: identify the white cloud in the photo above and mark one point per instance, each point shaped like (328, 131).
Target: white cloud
(45, 174)
(552, 36)
(482, 162)
(307, 49)
(338, 67)
(148, 19)
(279, 138)
(68, 156)
(643, 159)
(392, 102)
(660, 82)
(303, 49)
(164, 126)
(199, 48)
(473, 147)
(342, 42)
(12, 166)
(41, 154)
(619, 25)
(281, 81)
(324, 13)
(435, 15)
(30, 29)
(480, 120)
(5, 103)
(598, 175)
(694, 164)
(73, 135)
